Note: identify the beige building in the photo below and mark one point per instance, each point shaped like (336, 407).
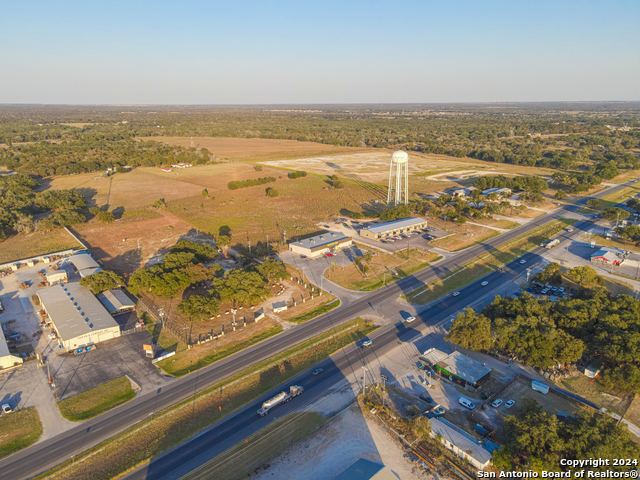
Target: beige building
(6, 358)
(394, 228)
(320, 244)
(461, 443)
(77, 316)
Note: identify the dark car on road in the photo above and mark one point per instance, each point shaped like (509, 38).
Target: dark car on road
(317, 371)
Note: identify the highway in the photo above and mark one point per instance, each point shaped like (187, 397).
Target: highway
(46, 454)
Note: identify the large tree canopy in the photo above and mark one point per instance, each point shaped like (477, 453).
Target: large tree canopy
(100, 281)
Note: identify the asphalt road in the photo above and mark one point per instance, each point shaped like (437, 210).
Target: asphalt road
(46, 454)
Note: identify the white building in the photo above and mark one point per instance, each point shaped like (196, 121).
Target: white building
(320, 244)
(7, 360)
(461, 443)
(77, 316)
(84, 264)
(394, 228)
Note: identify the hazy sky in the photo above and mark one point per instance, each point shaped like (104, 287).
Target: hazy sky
(241, 52)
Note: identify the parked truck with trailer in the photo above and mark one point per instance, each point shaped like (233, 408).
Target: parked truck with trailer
(552, 243)
(279, 399)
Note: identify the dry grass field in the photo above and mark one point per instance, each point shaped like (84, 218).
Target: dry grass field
(252, 149)
(37, 243)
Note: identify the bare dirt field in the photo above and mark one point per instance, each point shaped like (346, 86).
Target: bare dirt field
(338, 444)
(252, 148)
(125, 246)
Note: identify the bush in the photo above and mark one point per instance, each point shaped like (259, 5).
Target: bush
(120, 169)
(297, 174)
(272, 192)
(249, 183)
(106, 217)
(257, 168)
(94, 211)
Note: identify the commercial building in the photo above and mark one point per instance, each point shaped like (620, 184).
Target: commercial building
(57, 276)
(116, 302)
(461, 443)
(614, 256)
(320, 244)
(77, 316)
(457, 367)
(394, 228)
(84, 264)
(6, 359)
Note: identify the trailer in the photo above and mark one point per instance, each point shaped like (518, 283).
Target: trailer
(552, 243)
(539, 387)
(282, 397)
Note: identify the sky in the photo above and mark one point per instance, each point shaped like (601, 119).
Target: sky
(304, 52)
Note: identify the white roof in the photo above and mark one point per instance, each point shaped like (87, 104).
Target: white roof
(83, 260)
(115, 300)
(402, 223)
(433, 355)
(320, 240)
(461, 439)
(464, 367)
(74, 310)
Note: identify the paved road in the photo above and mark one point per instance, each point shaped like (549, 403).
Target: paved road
(49, 453)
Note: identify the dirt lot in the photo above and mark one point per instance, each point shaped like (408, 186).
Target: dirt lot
(519, 390)
(337, 445)
(125, 246)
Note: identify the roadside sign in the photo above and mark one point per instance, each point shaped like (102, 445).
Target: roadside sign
(384, 377)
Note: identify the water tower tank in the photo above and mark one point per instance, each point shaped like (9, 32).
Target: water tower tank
(399, 157)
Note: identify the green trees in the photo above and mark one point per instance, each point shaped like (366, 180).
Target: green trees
(121, 169)
(538, 441)
(552, 274)
(272, 270)
(585, 276)
(234, 185)
(560, 194)
(100, 281)
(634, 203)
(257, 168)
(471, 330)
(394, 213)
(594, 202)
(297, 174)
(199, 307)
(614, 214)
(272, 192)
(60, 199)
(203, 251)
(105, 217)
(630, 232)
(240, 286)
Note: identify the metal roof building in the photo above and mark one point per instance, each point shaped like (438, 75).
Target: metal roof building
(458, 367)
(460, 442)
(6, 358)
(116, 301)
(77, 316)
(320, 244)
(84, 264)
(394, 228)
(366, 470)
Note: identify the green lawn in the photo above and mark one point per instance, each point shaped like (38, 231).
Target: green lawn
(18, 430)
(97, 401)
(316, 312)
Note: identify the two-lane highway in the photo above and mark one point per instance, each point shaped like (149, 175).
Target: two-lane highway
(49, 453)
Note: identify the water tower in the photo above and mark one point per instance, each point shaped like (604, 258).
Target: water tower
(399, 178)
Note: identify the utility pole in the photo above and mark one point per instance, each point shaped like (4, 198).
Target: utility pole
(528, 273)
(267, 244)
(364, 376)
(284, 232)
(250, 249)
(186, 327)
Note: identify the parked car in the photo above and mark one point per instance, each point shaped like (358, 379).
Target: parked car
(569, 230)
(523, 261)
(303, 256)
(484, 284)
(455, 294)
(329, 254)
(410, 319)
(367, 343)
(317, 372)
(426, 398)
(510, 404)
(1, 307)
(496, 403)
(6, 408)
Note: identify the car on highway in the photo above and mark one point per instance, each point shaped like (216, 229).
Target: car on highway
(455, 294)
(496, 403)
(510, 404)
(317, 372)
(485, 283)
(523, 261)
(410, 319)
(569, 230)
(367, 343)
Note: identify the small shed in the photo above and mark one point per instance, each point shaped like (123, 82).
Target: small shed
(57, 276)
(279, 307)
(592, 370)
(116, 302)
(259, 314)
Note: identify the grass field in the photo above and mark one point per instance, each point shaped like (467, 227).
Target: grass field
(325, 307)
(395, 266)
(246, 456)
(97, 401)
(485, 264)
(504, 224)
(18, 430)
(167, 428)
(460, 241)
(180, 365)
(33, 244)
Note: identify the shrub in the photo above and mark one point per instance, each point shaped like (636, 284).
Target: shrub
(272, 192)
